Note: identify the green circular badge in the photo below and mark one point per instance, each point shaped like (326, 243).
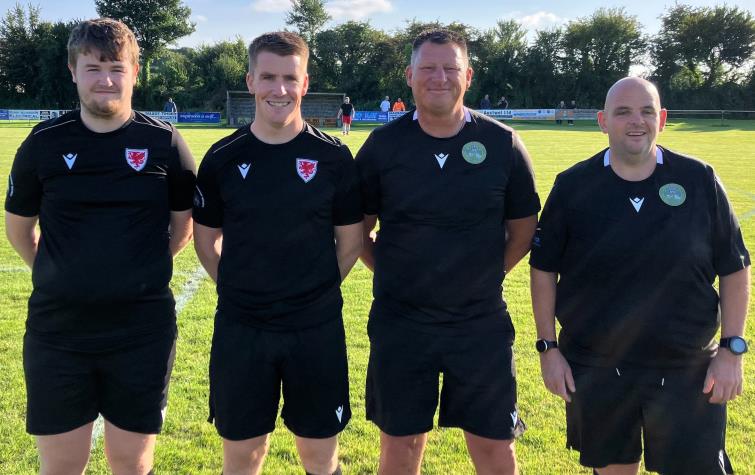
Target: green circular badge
(474, 152)
(672, 194)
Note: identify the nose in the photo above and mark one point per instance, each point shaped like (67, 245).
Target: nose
(439, 74)
(280, 88)
(106, 79)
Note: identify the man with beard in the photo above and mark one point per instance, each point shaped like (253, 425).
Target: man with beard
(112, 191)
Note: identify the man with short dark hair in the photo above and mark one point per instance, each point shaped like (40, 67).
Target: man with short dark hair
(278, 226)
(455, 195)
(112, 190)
(628, 247)
(170, 106)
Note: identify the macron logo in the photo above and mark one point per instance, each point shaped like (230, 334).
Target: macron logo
(339, 413)
(637, 203)
(244, 169)
(441, 158)
(70, 158)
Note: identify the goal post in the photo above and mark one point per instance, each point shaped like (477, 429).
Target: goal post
(318, 108)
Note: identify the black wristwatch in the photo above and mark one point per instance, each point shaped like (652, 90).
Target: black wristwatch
(735, 344)
(543, 345)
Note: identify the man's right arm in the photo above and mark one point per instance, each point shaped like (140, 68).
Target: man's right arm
(208, 242)
(555, 369)
(23, 236)
(368, 241)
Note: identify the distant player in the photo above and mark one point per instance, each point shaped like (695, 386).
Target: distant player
(278, 226)
(112, 191)
(345, 113)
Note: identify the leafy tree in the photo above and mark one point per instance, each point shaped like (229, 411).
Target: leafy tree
(53, 85)
(543, 78)
(18, 71)
(155, 23)
(309, 17)
(497, 58)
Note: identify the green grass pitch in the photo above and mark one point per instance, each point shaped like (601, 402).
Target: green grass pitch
(189, 445)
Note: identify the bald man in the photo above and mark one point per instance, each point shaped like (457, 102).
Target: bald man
(625, 255)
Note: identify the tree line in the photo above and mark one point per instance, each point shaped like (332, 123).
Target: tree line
(702, 58)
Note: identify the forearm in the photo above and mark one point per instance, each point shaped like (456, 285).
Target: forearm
(368, 242)
(735, 295)
(23, 236)
(348, 246)
(543, 291)
(519, 234)
(180, 231)
(347, 258)
(208, 243)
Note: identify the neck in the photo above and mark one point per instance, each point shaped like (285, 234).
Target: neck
(634, 167)
(101, 124)
(441, 125)
(273, 134)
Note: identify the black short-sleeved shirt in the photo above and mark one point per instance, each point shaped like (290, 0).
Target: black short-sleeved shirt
(277, 206)
(637, 261)
(103, 199)
(347, 108)
(442, 204)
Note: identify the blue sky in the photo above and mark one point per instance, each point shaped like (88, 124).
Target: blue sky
(225, 19)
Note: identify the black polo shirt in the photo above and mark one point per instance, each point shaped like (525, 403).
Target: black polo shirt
(637, 261)
(277, 206)
(442, 204)
(103, 199)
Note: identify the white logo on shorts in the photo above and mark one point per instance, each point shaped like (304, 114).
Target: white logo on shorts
(339, 413)
(514, 417)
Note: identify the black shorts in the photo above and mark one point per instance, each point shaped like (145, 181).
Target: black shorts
(479, 382)
(66, 389)
(248, 365)
(616, 412)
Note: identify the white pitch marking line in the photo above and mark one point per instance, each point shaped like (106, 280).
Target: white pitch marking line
(188, 291)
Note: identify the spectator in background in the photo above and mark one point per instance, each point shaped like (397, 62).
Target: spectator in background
(345, 113)
(398, 106)
(502, 103)
(560, 112)
(170, 106)
(572, 106)
(385, 106)
(485, 102)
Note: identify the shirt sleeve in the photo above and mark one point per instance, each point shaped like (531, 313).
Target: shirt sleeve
(521, 196)
(208, 203)
(549, 241)
(347, 203)
(729, 252)
(181, 181)
(24, 196)
(369, 177)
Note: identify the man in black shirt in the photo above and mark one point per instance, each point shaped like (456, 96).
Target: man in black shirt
(628, 247)
(345, 113)
(278, 226)
(455, 195)
(112, 190)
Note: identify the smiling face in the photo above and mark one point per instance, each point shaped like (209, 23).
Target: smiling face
(278, 84)
(439, 76)
(632, 118)
(105, 87)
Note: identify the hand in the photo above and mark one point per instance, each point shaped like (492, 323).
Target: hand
(724, 378)
(557, 374)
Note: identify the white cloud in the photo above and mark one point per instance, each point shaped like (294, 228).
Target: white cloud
(356, 9)
(271, 6)
(200, 18)
(541, 20)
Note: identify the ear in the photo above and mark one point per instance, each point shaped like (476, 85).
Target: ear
(250, 82)
(305, 86)
(137, 68)
(72, 68)
(602, 121)
(470, 73)
(662, 120)
(408, 72)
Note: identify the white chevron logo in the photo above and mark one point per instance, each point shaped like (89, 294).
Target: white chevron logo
(441, 158)
(339, 413)
(244, 169)
(637, 203)
(70, 158)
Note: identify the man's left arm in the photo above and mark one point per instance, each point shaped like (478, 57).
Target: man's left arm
(519, 234)
(348, 246)
(724, 380)
(182, 193)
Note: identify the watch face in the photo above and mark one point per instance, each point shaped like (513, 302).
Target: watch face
(737, 346)
(541, 346)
